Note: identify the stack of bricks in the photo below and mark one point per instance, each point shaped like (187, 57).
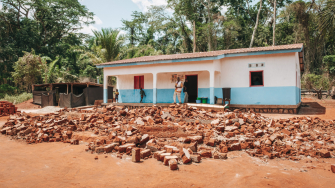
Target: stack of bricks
(7, 108)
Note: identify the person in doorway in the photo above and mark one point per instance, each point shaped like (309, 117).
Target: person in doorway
(142, 93)
(116, 95)
(177, 91)
(185, 91)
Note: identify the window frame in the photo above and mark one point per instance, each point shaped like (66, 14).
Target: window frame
(262, 79)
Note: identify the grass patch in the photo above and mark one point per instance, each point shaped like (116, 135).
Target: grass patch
(17, 99)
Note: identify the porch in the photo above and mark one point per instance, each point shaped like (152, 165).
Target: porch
(158, 83)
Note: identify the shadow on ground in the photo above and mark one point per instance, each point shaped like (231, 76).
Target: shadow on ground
(312, 108)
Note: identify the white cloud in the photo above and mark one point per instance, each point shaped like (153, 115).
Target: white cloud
(0, 5)
(97, 20)
(88, 29)
(122, 32)
(145, 4)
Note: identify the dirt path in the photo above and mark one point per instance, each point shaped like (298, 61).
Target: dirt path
(64, 165)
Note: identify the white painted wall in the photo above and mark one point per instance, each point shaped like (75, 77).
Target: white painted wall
(279, 70)
(127, 81)
(203, 79)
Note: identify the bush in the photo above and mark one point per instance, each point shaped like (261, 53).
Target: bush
(311, 81)
(17, 99)
(7, 89)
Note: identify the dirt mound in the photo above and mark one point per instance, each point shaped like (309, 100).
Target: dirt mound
(28, 105)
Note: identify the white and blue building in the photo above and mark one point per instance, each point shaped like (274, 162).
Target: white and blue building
(256, 76)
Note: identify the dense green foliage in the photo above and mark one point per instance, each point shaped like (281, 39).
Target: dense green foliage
(48, 30)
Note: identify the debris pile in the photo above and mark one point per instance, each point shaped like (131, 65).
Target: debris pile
(179, 134)
(7, 108)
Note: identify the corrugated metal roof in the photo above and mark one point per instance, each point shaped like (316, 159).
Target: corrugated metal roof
(204, 54)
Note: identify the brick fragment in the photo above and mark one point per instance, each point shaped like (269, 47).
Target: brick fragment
(324, 153)
(196, 158)
(173, 164)
(145, 153)
(136, 155)
(168, 158)
(186, 160)
(163, 155)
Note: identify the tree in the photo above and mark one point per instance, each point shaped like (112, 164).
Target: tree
(327, 17)
(47, 26)
(111, 41)
(274, 22)
(28, 70)
(254, 32)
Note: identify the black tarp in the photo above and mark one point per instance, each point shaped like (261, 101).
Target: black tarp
(40, 96)
(78, 100)
(48, 98)
(71, 101)
(37, 97)
(96, 93)
(65, 100)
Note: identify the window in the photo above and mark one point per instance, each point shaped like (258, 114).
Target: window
(138, 82)
(256, 78)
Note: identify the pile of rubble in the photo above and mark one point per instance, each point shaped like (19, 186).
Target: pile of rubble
(7, 108)
(179, 134)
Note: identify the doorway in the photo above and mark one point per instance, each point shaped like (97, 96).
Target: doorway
(192, 89)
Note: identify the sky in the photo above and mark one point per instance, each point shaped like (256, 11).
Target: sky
(109, 13)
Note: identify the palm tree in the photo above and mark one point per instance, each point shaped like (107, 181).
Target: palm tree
(327, 16)
(111, 41)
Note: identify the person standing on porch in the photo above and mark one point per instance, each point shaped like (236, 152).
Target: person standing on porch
(142, 93)
(116, 95)
(185, 91)
(177, 91)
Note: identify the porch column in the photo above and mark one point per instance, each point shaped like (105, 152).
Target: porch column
(211, 86)
(154, 88)
(105, 88)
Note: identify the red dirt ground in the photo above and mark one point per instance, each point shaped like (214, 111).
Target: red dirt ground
(27, 105)
(65, 165)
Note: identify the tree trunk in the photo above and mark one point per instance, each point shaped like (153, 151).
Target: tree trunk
(256, 25)
(319, 93)
(274, 23)
(194, 38)
(209, 37)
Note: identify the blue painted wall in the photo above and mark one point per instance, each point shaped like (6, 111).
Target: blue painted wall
(265, 95)
(298, 94)
(133, 96)
(289, 95)
(166, 96)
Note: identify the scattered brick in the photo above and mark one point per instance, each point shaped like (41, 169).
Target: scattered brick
(173, 164)
(136, 155)
(178, 132)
